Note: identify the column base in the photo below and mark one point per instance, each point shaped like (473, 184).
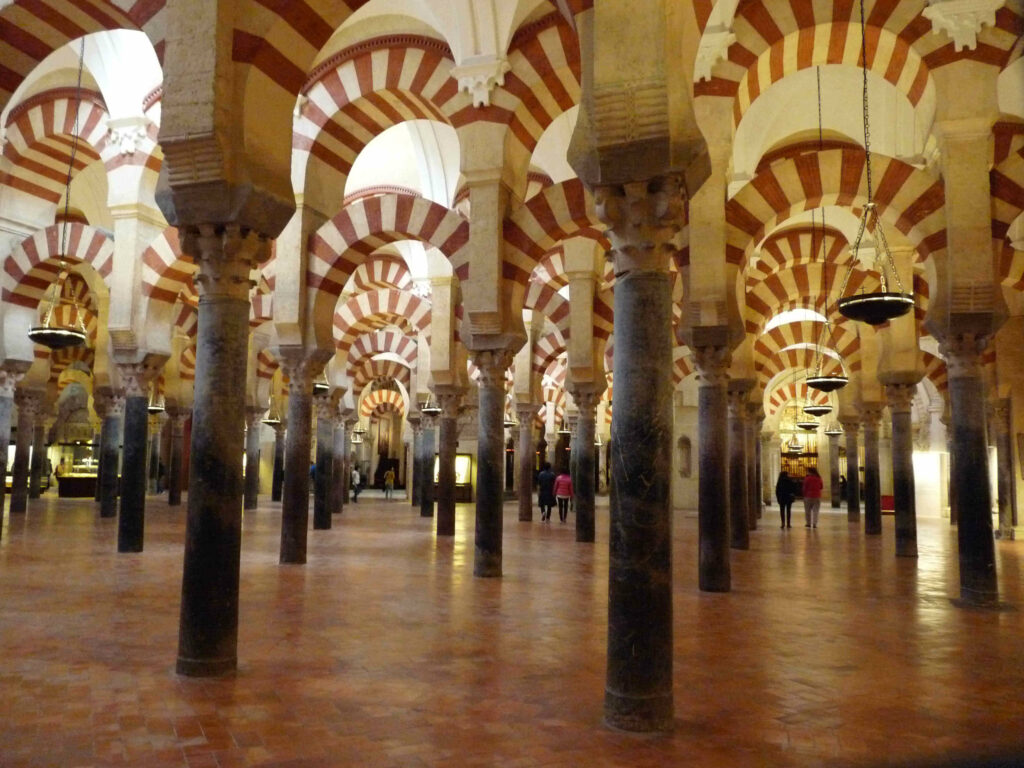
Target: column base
(486, 565)
(715, 583)
(906, 549)
(131, 548)
(638, 714)
(206, 667)
(585, 537)
(983, 602)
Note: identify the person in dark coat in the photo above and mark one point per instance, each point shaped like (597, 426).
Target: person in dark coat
(785, 495)
(546, 491)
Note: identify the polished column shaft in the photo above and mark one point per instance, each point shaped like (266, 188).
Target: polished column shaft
(28, 404)
(900, 397)
(417, 462)
(739, 495)
(110, 455)
(713, 485)
(833, 470)
(131, 519)
(35, 475)
(999, 424)
(583, 484)
(337, 504)
(428, 449)
(490, 473)
(870, 414)
(326, 411)
(851, 428)
(526, 462)
(295, 500)
(447, 445)
(6, 409)
(253, 423)
(175, 475)
(277, 483)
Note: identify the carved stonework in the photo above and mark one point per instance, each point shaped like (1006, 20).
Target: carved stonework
(29, 402)
(900, 397)
(254, 417)
(642, 218)
(9, 381)
(479, 75)
(962, 353)
(737, 400)
(107, 403)
(126, 136)
(586, 401)
(712, 365)
(962, 20)
(225, 257)
(870, 415)
(630, 111)
(492, 364)
(850, 427)
(714, 47)
(136, 377)
(999, 416)
(450, 402)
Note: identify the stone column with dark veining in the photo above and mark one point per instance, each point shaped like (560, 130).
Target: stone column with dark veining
(175, 475)
(999, 425)
(644, 216)
(277, 483)
(739, 493)
(295, 501)
(8, 382)
(978, 585)
(153, 462)
(28, 402)
(131, 519)
(490, 467)
(900, 397)
(583, 485)
(338, 467)
(851, 428)
(833, 469)
(253, 425)
(870, 414)
(326, 410)
(713, 486)
(428, 449)
(208, 628)
(417, 458)
(525, 415)
(35, 473)
(110, 407)
(448, 440)
(753, 421)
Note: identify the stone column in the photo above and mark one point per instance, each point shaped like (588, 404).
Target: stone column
(833, 469)
(490, 467)
(326, 409)
(131, 519)
(713, 488)
(428, 448)
(739, 495)
(638, 688)
(208, 628)
(28, 402)
(295, 502)
(753, 420)
(973, 497)
(417, 459)
(253, 423)
(900, 397)
(525, 414)
(999, 423)
(277, 484)
(447, 446)
(35, 475)
(110, 407)
(338, 467)
(174, 471)
(851, 428)
(947, 422)
(572, 422)
(8, 382)
(351, 422)
(583, 484)
(870, 414)
(153, 462)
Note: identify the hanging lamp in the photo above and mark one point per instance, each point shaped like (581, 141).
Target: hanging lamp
(430, 408)
(883, 305)
(833, 429)
(273, 417)
(817, 409)
(55, 331)
(810, 425)
(156, 403)
(320, 385)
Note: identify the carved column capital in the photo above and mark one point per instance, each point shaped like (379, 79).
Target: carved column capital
(737, 402)
(900, 397)
(107, 402)
(450, 402)
(136, 377)
(526, 413)
(962, 353)
(326, 407)
(586, 401)
(492, 365)
(178, 417)
(9, 378)
(29, 401)
(755, 414)
(712, 365)
(225, 256)
(999, 416)
(871, 415)
(851, 426)
(642, 217)
(254, 416)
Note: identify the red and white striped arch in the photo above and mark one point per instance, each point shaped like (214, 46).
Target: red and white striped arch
(792, 246)
(546, 301)
(935, 371)
(382, 270)
(1007, 184)
(186, 317)
(550, 270)
(266, 364)
(799, 287)
(341, 245)
(187, 363)
(381, 368)
(908, 199)
(792, 391)
(558, 213)
(33, 265)
(547, 349)
(62, 359)
(381, 399)
(381, 342)
(165, 270)
(368, 311)
(40, 134)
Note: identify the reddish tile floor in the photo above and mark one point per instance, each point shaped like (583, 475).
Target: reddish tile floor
(384, 650)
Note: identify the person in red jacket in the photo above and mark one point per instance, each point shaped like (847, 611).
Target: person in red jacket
(563, 492)
(812, 497)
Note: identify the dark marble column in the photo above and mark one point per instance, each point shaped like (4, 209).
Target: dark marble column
(132, 516)
(112, 406)
(417, 459)
(833, 469)
(253, 425)
(295, 502)
(713, 485)
(153, 462)
(350, 424)
(973, 497)
(583, 484)
(175, 477)
(490, 465)
(277, 484)
(638, 687)
(851, 429)
(752, 428)
(572, 421)
(870, 414)
(35, 474)
(448, 441)
(739, 493)
(208, 627)
(337, 504)
(428, 449)
(947, 422)
(7, 387)
(28, 402)
(900, 397)
(999, 424)
(326, 411)
(525, 414)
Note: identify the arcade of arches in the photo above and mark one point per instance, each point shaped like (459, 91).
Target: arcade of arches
(434, 236)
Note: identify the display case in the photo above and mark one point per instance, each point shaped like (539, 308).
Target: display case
(463, 476)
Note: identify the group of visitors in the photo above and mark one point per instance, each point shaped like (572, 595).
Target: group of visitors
(786, 490)
(553, 489)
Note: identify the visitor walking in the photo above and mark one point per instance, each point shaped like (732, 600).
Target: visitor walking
(784, 495)
(812, 497)
(389, 482)
(563, 494)
(546, 491)
(355, 485)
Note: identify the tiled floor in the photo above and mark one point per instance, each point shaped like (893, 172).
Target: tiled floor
(385, 651)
